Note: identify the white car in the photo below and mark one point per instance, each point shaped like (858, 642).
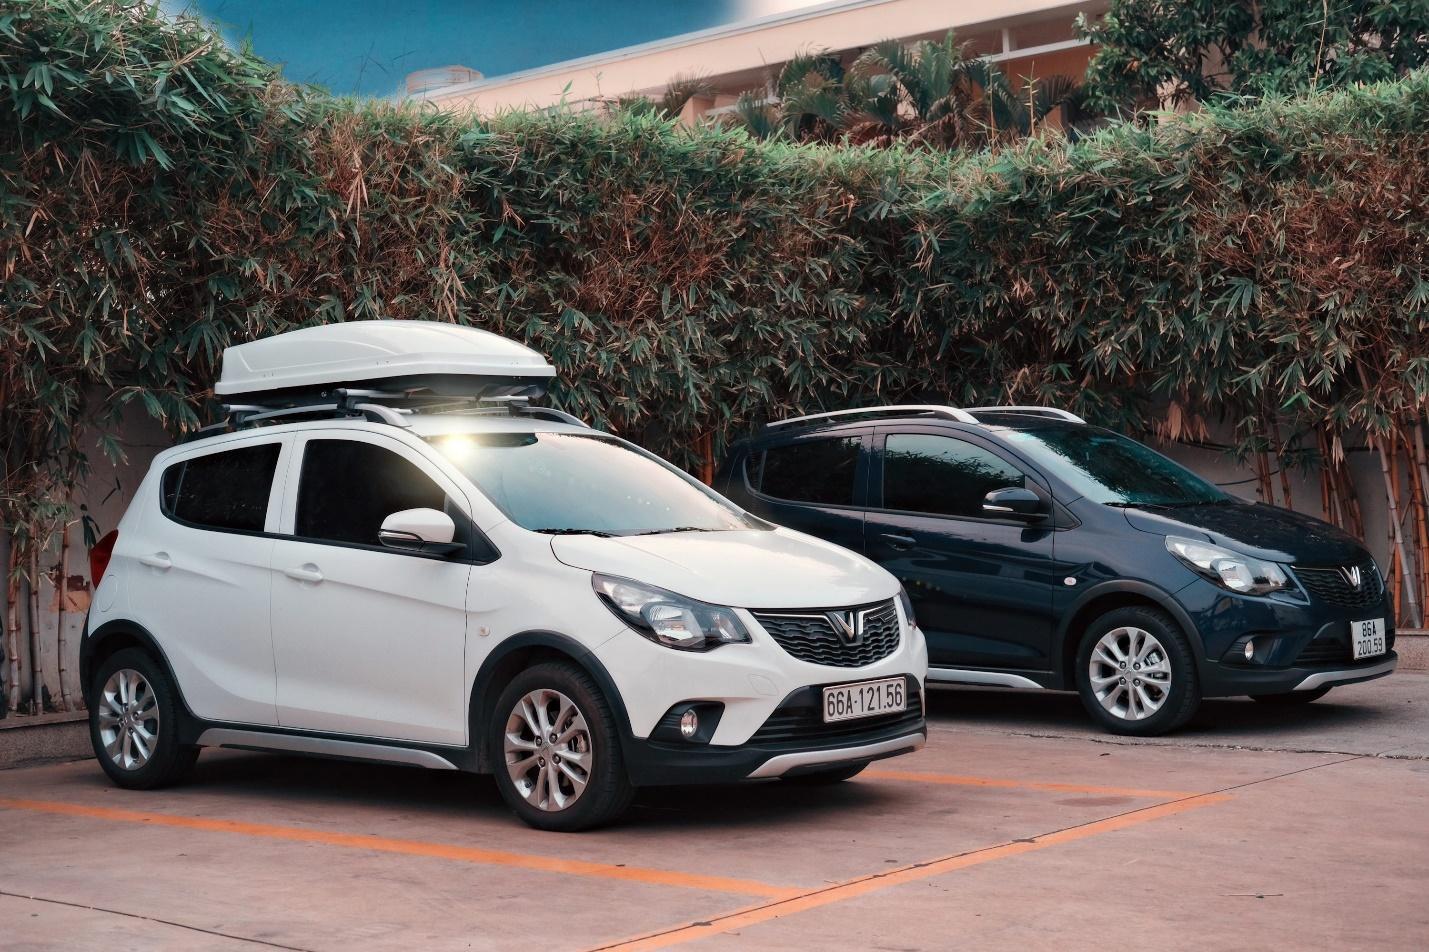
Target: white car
(482, 586)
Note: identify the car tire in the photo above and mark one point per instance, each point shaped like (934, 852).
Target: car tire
(824, 778)
(134, 723)
(572, 777)
(1130, 700)
(1293, 697)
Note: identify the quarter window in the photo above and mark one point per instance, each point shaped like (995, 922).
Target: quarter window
(941, 475)
(225, 490)
(348, 487)
(817, 471)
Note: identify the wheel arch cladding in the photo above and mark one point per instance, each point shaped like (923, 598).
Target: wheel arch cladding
(523, 651)
(1109, 597)
(113, 637)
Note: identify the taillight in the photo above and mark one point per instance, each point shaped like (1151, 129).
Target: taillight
(99, 556)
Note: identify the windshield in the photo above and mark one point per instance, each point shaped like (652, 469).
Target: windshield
(565, 482)
(1112, 469)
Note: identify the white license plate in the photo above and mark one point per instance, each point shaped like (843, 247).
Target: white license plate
(844, 702)
(1367, 638)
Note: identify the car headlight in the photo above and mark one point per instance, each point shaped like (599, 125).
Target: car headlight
(667, 618)
(907, 604)
(1239, 573)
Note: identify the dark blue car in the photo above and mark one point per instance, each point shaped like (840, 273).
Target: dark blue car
(1041, 552)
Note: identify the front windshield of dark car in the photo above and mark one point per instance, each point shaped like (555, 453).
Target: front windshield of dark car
(565, 482)
(1112, 469)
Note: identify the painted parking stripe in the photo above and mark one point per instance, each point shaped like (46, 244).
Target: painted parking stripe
(875, 882)
(957, 780)
(362, 841)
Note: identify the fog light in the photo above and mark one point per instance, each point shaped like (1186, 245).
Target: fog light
(1250, 650)
(689, 724)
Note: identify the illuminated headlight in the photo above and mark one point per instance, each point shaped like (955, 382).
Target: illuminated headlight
(1239, 573)
(667, 618)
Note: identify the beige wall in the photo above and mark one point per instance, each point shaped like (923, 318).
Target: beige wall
(745, 50)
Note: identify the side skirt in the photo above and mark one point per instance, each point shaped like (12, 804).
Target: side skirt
(382, 752)
(1000, 679)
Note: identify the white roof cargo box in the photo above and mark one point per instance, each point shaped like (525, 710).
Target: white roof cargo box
(407, 356)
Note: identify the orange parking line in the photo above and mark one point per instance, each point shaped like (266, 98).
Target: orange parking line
(467, 854)
(875, 882)
(957, 780)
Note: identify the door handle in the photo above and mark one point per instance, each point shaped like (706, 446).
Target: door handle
(305, 573)
(898, 541)
(159, 560)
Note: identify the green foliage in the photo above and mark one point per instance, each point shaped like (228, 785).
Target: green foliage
(1154, 50)
(928, 93)
(167, 197)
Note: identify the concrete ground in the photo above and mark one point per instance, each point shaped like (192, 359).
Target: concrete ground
(1017, 827)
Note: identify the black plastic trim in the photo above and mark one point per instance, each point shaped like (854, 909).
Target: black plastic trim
(482, 694)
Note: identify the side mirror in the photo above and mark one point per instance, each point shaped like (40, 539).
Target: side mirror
(420, 530)
(1015, 502)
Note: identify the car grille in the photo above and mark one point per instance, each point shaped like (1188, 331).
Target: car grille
(1330, 585)
(810, 636)
(799, 721)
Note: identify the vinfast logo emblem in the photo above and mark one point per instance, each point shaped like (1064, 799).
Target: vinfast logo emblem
(848, 625)
(1352, 575)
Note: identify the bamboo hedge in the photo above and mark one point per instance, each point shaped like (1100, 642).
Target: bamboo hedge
(163, 196)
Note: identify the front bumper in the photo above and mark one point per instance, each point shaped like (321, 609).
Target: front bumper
(792, 741)
(1301, 645)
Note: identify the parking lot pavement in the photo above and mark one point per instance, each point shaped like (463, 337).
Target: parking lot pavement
(989, 838)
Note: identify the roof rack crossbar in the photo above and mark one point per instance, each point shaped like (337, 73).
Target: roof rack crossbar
(1055, 412)
(949, 413)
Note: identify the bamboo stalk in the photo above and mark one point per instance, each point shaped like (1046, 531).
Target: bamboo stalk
(1279, 449)
(66, 703)
(1396, 534)
(1329, 501)
(12, 625)
(37, 682)
(1422, 498)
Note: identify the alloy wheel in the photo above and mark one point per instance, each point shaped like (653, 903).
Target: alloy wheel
(548, 750)
(1130, 673)
(128, 719)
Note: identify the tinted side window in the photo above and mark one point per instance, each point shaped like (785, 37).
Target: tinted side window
(226, 490)
(941, 475)
(819, 471)
(347, 488)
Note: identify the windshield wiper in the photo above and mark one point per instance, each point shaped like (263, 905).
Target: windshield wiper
(676, 529)
(600, 533)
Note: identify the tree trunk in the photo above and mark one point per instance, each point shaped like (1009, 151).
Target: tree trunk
(61, 593)
(1396, 533)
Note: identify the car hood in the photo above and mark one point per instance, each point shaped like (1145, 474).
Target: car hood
(1255, 529)
(744, 568)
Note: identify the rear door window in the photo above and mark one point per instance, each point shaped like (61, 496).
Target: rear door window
(813, 471)
(941, 475)
(227, 490)
(348, 487)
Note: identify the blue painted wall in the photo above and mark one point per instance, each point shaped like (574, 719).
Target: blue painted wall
(367, 47)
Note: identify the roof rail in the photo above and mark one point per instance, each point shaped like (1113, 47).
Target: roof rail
(948, 413)
(1055, 412)
(368, 403)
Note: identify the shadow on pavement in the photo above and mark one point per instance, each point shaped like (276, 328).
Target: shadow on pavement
(1230, 720)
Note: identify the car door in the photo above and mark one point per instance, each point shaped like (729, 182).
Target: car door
(981, 586)
(200, 579)
(368, 640)
(814, 484)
